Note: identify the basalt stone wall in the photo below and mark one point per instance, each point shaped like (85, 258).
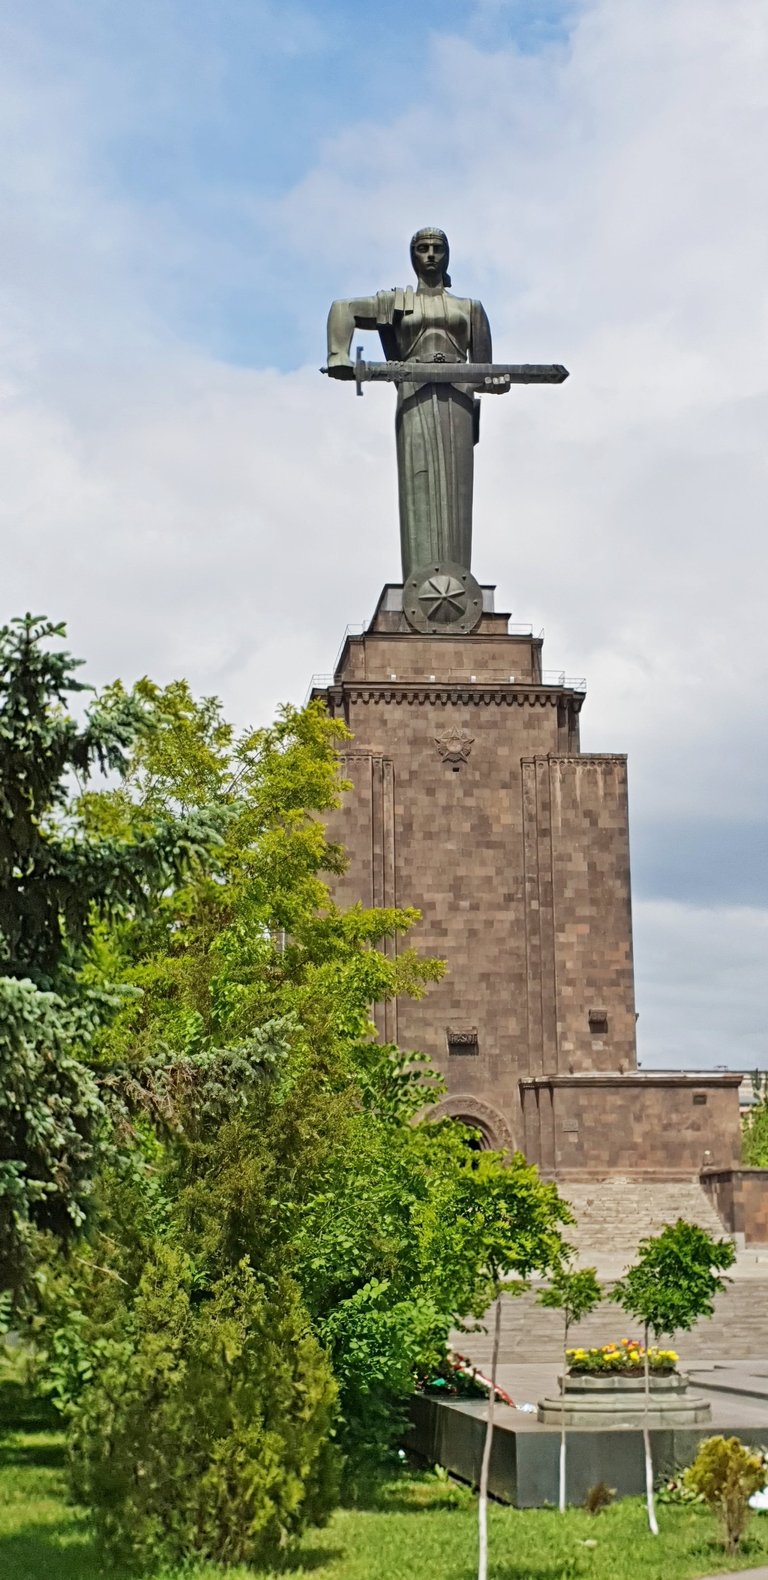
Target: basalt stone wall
(581, 998)
(471, 801)
(740, 1196)
(664, 1125)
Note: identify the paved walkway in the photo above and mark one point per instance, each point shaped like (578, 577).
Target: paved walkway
(743, 1574)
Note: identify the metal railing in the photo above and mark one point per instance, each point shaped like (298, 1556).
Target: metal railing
(558, 677)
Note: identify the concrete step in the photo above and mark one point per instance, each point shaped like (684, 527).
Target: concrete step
(613, 1215)
(737, 1331)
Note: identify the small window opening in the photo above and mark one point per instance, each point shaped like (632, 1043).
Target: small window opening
(598, 1022)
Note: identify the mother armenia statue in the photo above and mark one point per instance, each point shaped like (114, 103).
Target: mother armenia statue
(438, 351)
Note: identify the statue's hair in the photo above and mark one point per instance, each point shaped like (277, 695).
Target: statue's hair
(429, 232)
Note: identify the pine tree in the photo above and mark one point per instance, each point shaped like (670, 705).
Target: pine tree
(57, 880)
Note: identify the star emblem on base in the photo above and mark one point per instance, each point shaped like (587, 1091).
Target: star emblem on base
(454, 746)
(442, 599)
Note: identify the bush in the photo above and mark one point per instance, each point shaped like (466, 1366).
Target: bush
(726, 1474)
(205, 1428)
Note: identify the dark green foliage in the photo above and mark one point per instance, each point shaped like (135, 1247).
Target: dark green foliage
(57, 879)
(52, 1120)
(574, 1291)
(675, 1279)
(262, 1127)
(205, 1427)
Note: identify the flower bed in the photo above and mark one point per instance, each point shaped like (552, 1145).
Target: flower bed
(625, 1359)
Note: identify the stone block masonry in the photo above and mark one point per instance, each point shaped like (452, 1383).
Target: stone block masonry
(471, 800)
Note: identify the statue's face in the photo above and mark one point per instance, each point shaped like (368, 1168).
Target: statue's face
(430, 259)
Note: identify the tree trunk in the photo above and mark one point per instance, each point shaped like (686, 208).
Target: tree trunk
(649, 1498)
(482, 1504)
(561, 1493)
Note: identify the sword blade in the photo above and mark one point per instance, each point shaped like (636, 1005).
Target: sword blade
(475, 374)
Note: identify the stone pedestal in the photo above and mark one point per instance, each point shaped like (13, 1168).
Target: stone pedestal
(620, 1402)
(472, 800)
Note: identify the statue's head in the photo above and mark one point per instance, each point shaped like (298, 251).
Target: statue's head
(430, 254)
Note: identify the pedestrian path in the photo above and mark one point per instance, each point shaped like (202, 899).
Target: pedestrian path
(743, 1574)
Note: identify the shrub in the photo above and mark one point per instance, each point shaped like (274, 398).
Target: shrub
(599, 1497)
(204, 1430)
(726, 1474)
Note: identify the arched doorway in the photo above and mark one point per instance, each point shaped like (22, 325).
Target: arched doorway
(493, 1132)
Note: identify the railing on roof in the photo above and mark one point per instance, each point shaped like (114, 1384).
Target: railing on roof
(558, 677)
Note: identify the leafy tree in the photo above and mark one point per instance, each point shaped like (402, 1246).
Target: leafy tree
(262, 1125)
(755, 1129)
(56, 880)
(671, 1287)
(507, 1266)
(576, 1292)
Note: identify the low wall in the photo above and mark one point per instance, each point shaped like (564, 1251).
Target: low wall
(740, 1196)
(610, 1123)
(524, 1455)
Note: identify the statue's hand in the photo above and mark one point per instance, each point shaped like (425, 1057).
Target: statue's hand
(499, 384)
(339, 368)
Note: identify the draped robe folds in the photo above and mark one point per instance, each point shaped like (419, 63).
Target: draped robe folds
(436, 425)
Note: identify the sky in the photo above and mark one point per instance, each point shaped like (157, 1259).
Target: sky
(186, 185)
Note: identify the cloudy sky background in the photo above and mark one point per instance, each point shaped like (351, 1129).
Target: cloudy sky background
(187, 183)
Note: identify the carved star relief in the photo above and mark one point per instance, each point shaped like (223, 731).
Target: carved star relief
(454, 746)
(443, 598)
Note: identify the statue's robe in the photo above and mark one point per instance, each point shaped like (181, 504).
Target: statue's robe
(436, 425)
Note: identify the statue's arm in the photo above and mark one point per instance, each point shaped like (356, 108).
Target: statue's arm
(344, 318)
(481, 350)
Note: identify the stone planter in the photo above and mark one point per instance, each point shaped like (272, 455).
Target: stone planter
(613, 1401)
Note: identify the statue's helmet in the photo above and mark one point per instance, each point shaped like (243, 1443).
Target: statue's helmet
(431, 233)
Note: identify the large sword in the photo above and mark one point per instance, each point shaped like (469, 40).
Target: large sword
(476, 374)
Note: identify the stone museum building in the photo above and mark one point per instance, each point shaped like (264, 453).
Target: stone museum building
(472, 799)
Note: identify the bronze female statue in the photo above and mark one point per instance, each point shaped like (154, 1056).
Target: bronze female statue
(437, 424)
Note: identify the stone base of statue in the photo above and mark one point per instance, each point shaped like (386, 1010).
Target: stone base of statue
(620, 1402)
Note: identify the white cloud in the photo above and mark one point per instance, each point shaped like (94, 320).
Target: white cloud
(604, 197)
(697, 969)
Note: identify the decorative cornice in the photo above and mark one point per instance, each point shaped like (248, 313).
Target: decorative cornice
(637, 1078)
(478, 695)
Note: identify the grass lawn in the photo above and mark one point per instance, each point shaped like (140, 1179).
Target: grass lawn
(424, 1527)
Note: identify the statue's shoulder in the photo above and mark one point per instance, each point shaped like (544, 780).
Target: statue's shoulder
(394, 303)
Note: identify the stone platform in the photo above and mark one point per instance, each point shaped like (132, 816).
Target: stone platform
(524, 1459)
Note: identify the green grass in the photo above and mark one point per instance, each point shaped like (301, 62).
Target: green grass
(422, 1527)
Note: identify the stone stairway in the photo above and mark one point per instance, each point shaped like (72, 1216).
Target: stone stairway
(737, 1331)
(613, 1215)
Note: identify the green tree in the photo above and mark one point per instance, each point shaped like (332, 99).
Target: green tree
(56, 881)
(576, 1292)
(669, 1289)
(755, 1127)
(263, 1125)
